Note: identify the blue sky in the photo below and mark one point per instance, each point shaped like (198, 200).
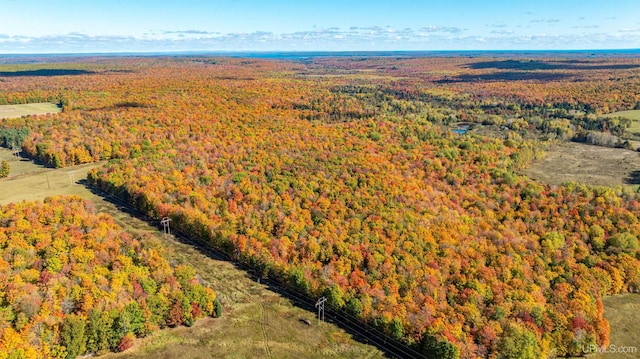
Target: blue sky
(58, 26)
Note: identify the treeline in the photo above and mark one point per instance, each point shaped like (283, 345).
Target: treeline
(605, 139)
(72, 283)
(13, 138)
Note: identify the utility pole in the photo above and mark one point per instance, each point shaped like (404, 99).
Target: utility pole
(320, 306)
(165, 225)
(72, 177)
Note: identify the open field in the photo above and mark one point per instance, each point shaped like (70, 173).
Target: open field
(256, 321)
(634, 128)
(589, 164)
(623, 314)
(631, 114)
(28, 181)
(15, 111)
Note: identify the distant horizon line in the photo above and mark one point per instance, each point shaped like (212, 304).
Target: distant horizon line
(319, 53)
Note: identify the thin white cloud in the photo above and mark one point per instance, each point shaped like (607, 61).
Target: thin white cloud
(370, 28)
(354, 38)
(502, 32)
(548, 21)
(585, 27)
(189, 32)
(450, 30)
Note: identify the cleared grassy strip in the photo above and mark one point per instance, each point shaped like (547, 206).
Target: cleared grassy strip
(254, 317)
(631, 114)
(16, 111)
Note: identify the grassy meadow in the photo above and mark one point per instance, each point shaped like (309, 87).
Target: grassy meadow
(633, 115)
(16, 111)
(623, 314)
(630, 114)
(596, 165)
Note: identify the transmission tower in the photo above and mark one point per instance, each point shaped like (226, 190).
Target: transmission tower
(320, 306)
(165, 225)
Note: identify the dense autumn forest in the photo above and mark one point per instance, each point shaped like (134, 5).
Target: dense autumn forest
(341, 175)
(73, 282)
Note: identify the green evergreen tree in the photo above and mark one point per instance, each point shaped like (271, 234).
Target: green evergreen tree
(355, 307)
(73, 335)
(431, 347)
(218, 308)
(96, 342)
(136, 318)
(334, 295)
(518, 343)
(625, 242)
(4, 169)
(396, 328)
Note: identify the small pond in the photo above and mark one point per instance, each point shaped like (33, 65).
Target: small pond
(460, 129)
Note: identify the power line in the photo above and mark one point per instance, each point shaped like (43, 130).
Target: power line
(344, 319)
(358, 327)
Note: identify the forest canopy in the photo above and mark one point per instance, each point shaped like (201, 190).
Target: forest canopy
(342, 177)
(72, 282)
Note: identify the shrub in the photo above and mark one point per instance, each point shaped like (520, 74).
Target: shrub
(4, 169)
(126, 342)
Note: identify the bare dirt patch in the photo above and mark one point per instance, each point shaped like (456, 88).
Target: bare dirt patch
(588, 164)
